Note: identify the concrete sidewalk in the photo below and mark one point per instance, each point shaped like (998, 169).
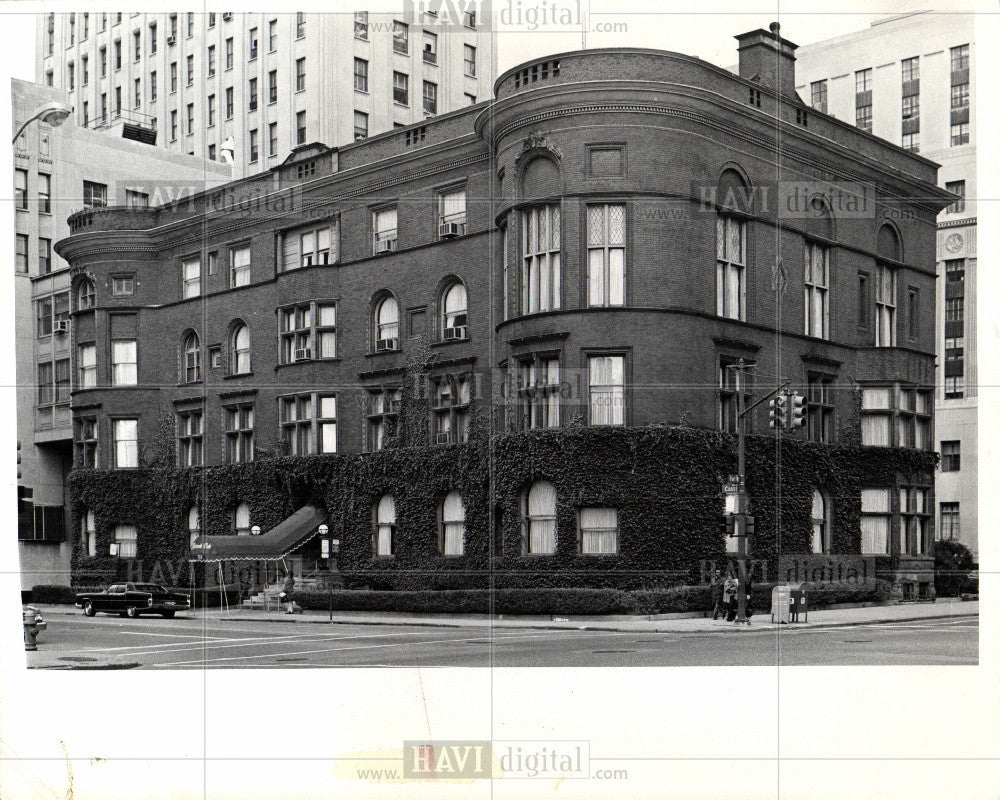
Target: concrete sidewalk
(903, 612)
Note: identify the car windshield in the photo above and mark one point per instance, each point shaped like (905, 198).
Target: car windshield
(148, 587)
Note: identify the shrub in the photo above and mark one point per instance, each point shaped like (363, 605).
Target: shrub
(54, 595)
(953, 563)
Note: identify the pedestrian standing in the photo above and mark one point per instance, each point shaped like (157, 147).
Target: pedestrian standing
(717, 591)
(288, 594)
(729, 600)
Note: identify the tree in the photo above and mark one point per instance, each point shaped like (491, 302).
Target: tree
(952, 564)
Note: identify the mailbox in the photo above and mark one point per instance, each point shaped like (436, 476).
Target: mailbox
(798, 603)
(781, 597)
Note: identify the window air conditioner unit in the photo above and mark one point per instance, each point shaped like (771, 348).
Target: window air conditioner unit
(385, 246)
(444, 438)
(61, 326)
(383, 345)
(228, 15)
(302, 354)
(449, 229)
(171, 40)
(456, 332)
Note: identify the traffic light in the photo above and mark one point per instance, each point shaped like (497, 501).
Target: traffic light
(797, 410)
(748, 525)
(779, 411)
(730, 524)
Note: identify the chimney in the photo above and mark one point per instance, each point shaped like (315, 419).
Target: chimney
(767, 59)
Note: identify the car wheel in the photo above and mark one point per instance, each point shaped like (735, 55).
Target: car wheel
(132, 612)
(168, 614)
(88, 609)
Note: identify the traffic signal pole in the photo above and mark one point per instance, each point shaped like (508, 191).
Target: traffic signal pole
(743, 504)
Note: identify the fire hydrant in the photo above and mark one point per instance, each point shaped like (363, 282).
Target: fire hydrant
(33, 623)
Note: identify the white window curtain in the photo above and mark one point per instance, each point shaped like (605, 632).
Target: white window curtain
(453, 520)
(455, 306)
(241, 350)
(453, 207)
(127, 538)
(90, 533)
(385, 520)
(241, 267)
(387, 320)
(541, 246)
(817, 283)
(730, 248)
(124, 370)
(242, 519)
(819, 523)
(194, 524)
(607, 390)
(385, 224)
(606, 254)
(542, 518)
(875, 509)
(126, 435)
(599, 531)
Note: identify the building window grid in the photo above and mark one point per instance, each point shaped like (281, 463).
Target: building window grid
(950, 525)
(951, 456)
(190, 439)
(125, 443)
(730, 239)
(885, 306)
(400, 37)
(818, 94)
(539, 392)
(541, 265)
(239, 433)
(820, 408)
(239, 267)
(361, 25)
(382, 416)
(452, 408)
(308, 331)
(309, 423)
(86, 443)
(817, 291)
(606, 226)
(598, 531)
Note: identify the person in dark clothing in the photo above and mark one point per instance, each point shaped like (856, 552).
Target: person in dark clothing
(717, 591)
(729, 599)
(288, 594)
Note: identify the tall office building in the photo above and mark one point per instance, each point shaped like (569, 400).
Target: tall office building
(58, 171)
(911, 79)
(258, 85)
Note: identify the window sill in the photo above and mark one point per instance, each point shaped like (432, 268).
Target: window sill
(446, 342)
(234, 375)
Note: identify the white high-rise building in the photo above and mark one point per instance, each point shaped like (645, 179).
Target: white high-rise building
(911, 79)
(258, 85)
(58, 171)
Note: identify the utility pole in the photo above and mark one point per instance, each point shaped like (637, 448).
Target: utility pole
(743, 522)
(742, 505)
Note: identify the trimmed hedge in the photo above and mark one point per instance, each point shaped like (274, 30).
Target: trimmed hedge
(54, 595)
(583, 602)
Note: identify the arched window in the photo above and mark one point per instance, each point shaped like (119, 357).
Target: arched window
(820, 523)
(385, 526)
(239, 356)
(194, 524)
(88, 533)
(387, 324)
(454, 305)
(241, 519)
(86, 297)
(540, 519)
(733, 195)
(453, 525)
(192, 358)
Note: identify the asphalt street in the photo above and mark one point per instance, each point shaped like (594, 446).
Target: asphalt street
(194, 642)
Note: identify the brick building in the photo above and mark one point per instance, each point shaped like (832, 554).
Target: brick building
(505, 338)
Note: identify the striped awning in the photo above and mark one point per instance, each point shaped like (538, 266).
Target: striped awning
(284, 538)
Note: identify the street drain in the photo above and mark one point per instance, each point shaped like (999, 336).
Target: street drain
(286, 660)
(81, 659)
(858, 641)
(614, 651)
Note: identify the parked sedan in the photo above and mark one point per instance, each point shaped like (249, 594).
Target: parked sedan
(133, 599)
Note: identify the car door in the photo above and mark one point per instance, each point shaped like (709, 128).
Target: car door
(116, 597)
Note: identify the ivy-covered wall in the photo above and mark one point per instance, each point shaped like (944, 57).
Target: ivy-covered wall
(666, 483)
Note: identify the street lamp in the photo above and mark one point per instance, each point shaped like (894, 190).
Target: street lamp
(255, 530)
(54, 114)
(328, 551)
